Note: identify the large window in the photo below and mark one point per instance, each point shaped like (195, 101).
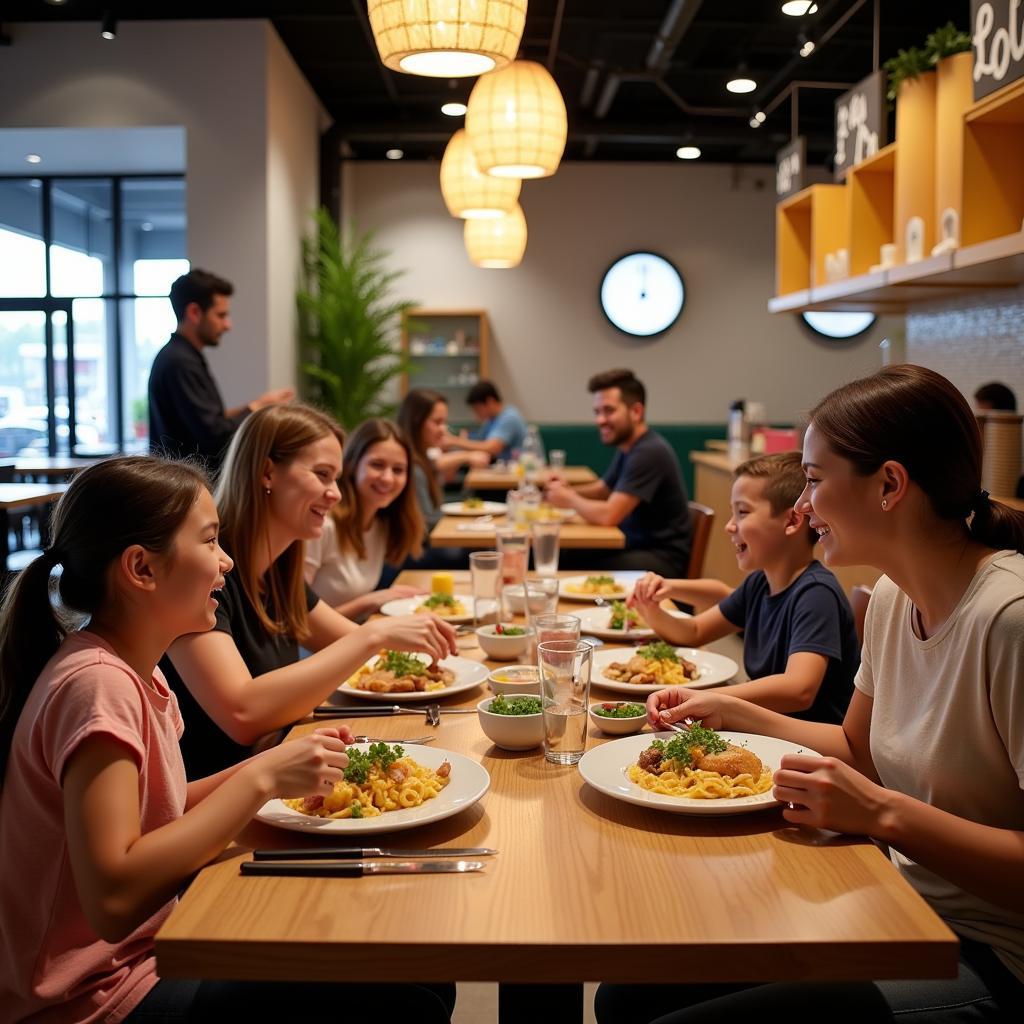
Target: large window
(88, 262)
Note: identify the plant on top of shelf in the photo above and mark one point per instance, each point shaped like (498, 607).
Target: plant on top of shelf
(906, 65)
(946, 41)
(348, 323)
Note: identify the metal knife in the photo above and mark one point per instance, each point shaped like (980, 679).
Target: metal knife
(358, 868)
(369, 852)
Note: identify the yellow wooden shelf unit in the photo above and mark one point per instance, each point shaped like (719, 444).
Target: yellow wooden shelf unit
(808, 225)
(870, 197)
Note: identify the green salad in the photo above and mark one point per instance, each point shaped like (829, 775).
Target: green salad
(439, 601)
(500, 630)
(623, 617)
(619, 709)
(503, 705)
(601, 581)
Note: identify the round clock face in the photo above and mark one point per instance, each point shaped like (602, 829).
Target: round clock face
(642, 294)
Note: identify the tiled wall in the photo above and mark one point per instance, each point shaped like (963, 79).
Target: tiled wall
(972, 340)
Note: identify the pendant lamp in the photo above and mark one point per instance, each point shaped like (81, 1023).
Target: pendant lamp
(497, 243)
(447, 38)
(516, 122)
(468, 193)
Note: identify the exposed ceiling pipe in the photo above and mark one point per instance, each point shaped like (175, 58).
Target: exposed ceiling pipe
(672, 30)
(556, 31)
(590, 79)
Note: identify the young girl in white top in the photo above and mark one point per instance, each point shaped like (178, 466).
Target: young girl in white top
(930, 757)
(377, 520)
(98, 828)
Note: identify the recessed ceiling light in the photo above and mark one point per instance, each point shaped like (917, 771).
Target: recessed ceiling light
(688, 152)
(108, 25)
(798, 8)
(453, 109)
(741, 85)
(56, 3)
(394, 154)
(33, 158)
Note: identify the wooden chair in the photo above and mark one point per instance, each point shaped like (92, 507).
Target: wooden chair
(859, 597)
(701, 520)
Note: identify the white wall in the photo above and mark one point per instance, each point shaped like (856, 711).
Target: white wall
(229, 85)
(715, 222)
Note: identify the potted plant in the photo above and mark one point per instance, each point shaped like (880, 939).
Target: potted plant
(348, 323)
(906, 66)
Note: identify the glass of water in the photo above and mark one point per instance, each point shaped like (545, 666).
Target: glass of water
(564, 667)
(556, 627)
(485, 571)
(545, 548)
(556, 458)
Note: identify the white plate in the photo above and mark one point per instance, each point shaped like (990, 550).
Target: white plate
(408, 606)
(468, 673)
(469, 782)
(620, 579)
(594, 622)
(487, 508)
(604, 768)
(714, 669)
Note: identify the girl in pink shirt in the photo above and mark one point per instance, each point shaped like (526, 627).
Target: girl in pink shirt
(98, 828)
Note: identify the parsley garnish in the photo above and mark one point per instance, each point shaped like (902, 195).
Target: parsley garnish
(501, 705)
(680, 748)
(600, 581)
(357, 810)
(400, 663)
(659, 650)
(438, 600)
(360, 763)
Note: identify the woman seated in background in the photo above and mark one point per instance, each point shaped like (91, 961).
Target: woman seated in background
(423, 417)
(930, 757)
(244, 679)
(99, 830)
(378, 520)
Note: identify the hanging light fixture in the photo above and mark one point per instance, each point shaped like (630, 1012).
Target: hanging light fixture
(447, 38)
(498, 243)
(516, 122)
(468, 193)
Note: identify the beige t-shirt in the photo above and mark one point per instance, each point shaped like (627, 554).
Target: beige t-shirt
(947, 726)
(338, 576)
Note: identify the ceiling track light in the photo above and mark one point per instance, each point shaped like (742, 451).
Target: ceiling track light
(740, 83)
(806, 45)
(108, 25)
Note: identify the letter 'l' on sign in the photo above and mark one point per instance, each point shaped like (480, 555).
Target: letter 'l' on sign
(997, 31)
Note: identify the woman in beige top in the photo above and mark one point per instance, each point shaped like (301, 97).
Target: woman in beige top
(930, 757)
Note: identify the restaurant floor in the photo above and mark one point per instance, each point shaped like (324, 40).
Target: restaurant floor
(478, 1003)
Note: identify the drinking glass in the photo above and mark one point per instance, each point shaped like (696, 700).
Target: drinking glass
(514, 547)
(556, 458)
(548, 628)
(485, 570)
(545, 548)
(564, 667)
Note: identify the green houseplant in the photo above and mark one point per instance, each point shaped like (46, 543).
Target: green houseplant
(906, 65)
(944, 42)
(348, 323)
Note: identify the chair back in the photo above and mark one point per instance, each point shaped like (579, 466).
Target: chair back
(859, 597)
(701, 520)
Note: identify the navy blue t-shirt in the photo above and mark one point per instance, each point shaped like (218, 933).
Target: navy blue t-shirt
(811, 614)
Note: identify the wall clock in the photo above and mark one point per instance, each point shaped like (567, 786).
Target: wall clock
(642, 294)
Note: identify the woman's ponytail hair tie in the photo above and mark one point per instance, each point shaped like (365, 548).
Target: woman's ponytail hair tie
(981, 501)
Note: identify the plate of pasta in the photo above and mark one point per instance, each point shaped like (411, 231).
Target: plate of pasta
(703, 772)
(590, 588)
(652, 667)
(474, 507)
(393, 787)
(396, 677)
(455, 608)
(618, 622)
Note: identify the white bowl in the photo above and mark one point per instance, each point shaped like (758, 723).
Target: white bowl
(499, 647)
(618, 726)
(511, 732)
(515, 679)
(515, 597)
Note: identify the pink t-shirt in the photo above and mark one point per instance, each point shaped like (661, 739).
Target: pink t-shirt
(53, 966)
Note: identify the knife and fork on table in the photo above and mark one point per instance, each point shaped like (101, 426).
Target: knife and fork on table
(356, 861)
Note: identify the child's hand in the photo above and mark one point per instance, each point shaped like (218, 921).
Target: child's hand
(823, 792)
(650, 589)
(676, 703)
(306, 766)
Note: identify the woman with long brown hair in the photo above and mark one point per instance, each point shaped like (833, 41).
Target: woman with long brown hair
(244, 679)
(930, 757)
(423, 417)
(377, 520)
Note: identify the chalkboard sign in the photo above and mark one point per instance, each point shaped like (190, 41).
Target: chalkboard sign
(791, 168)
(997, 30)
(861, 123)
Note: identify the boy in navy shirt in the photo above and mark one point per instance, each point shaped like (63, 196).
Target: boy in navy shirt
(800, 646)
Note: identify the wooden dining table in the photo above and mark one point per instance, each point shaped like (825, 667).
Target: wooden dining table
(14, 496)
(471, 532)
(584, 888)
(491, 479)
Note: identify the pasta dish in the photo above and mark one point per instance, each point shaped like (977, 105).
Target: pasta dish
(446, 606)
(655, 664)
(700, 765)
(603, 586)
(398, 672)
(380, 780)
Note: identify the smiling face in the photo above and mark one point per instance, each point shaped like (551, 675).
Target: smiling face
(757, 533)
(435, 426)
(616, 420)
(381, 475)
(303, 490)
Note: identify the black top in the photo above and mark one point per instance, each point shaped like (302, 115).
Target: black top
(205, 747)
(811, 614)
(661, 522)
(186, 411)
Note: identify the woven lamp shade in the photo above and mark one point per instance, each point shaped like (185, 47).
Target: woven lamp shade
(447, 38)
(497, 243)
(516, 122)
(468, 193)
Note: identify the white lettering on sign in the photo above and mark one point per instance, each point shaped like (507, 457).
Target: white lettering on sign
(993, 51)
(852, 119)
(788, 169)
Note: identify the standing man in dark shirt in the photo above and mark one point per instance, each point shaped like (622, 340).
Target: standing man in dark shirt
(643, 491)
(186, 412)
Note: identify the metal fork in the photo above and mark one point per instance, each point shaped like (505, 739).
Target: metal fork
(401, 739)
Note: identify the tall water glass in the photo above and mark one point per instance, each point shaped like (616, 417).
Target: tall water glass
(548, 628)
(514, 546)
(556, 459)
(485, 571)
(545, 548)
(564, 667)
